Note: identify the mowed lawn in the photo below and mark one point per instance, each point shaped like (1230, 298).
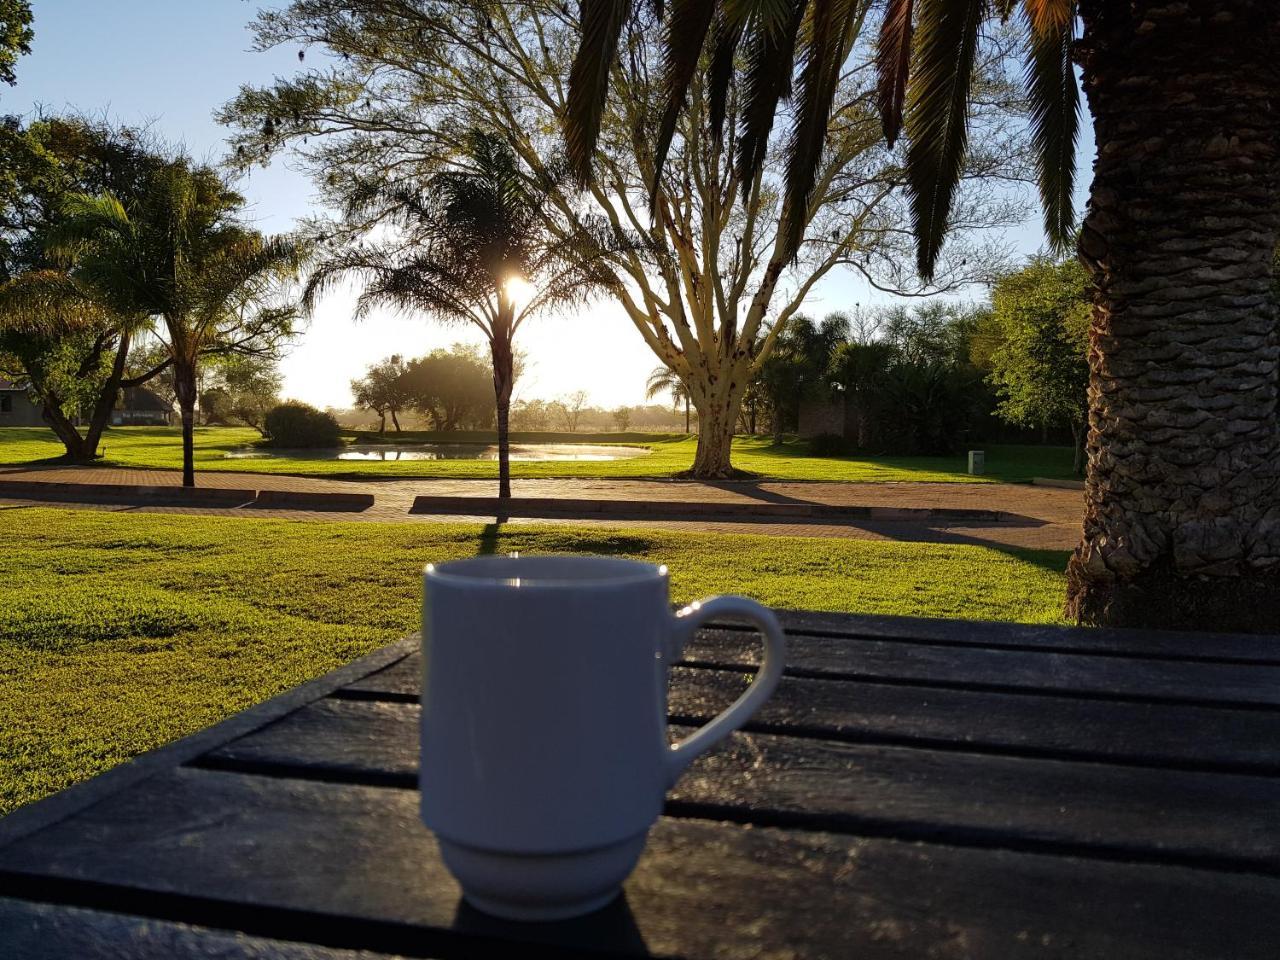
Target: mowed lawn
(121, 632)
(669, 454)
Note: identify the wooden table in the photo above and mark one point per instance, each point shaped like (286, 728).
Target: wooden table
(914, 789)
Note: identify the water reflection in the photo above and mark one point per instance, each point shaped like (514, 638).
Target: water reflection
(445, 451)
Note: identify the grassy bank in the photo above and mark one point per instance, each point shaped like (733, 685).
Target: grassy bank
(122, 632)
(160, 448)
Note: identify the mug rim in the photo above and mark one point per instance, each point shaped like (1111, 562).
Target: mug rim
(563, 571)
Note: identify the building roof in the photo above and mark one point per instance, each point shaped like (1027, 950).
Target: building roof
(140, 398)
(9, 385)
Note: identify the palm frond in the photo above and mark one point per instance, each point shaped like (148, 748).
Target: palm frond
(770, 59)
(944, 53)
(726, 34)
(893, 65)
(1050, 16)
(48, 303)
(830, 34)
(683, 39)
(1055, 126)
(602, 23)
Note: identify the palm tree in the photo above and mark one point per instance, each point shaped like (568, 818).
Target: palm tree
(476, 248)
(178, 253)
(665, 380)
(1183, 480)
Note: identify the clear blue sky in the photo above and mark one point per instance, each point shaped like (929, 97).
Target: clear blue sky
(174, 62)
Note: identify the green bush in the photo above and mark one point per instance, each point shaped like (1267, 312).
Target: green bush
(296, 424)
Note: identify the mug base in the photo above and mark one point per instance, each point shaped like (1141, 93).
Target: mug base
(541, 887)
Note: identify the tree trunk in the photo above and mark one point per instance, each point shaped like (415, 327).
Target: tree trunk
(382, 422)
(395, 421)
(107, 398)
(687, 423)
(503, 380)
(1079, 429)
(184, 384)
(64, 429)
(716, 420)
(1182, 502)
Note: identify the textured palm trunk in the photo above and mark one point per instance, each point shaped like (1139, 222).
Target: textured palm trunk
(1182, 518)
(184, 386)
(503, 380)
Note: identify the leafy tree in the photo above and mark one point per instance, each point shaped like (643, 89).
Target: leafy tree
(1184, 464)
(531, 415)
(15, 36)
(935, 332)
(698, 266)
(473, 246)
(569, 409)
(622, 419)
(860, 372)
(245, 387)
(384, 389)
(56, 335)
(1039, 323)
(178, 252)
(454, 388)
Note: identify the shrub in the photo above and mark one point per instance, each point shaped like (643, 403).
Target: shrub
(296, 424)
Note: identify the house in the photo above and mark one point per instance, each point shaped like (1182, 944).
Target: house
(140, 407)
(16, 407)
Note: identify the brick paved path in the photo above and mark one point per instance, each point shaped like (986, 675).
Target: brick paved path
(1049, 517)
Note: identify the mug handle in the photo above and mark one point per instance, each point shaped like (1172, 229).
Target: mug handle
(685, 623)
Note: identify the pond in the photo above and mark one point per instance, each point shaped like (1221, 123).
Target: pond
(444, 451)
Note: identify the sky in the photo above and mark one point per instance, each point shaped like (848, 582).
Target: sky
(174, 62)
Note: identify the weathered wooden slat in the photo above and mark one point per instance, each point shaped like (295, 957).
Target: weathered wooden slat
(350, 866)
(1198, 819)
(998, 671)
(1077, 675)
(1225, 647)
(43, 931)
(1145, 734)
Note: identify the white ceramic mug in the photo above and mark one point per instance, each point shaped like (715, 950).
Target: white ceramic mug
(545, 758)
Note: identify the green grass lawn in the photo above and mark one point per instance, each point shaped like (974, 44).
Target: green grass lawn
(121, 632)
(160, 447)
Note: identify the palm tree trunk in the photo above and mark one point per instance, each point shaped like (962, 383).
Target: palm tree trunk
(503, 378)
(687, 422)
(184, 384)
(1182, 514)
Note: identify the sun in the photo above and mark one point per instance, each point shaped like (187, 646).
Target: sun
(518, 290)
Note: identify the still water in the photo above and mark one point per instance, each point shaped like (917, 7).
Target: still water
(444, 451)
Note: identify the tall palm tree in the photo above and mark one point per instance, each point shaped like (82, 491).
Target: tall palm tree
(475, 247)
(1183, 483)
(179, 253)
(665, 380)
